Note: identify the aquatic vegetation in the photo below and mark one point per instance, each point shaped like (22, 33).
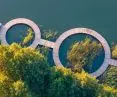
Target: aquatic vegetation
(50, 34)
(114, 52)
(29, 37)
(82, 54)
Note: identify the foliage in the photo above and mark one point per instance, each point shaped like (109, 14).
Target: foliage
(110, 76)
(82, 54)
(114, 52)
(19, 89)
(9, 88)
(64, 83)
(24, 72)
(4, 85)
(50, 34)
(44, 50)
(28, 37)
(25, 64)
(106, 91)
(73, 85)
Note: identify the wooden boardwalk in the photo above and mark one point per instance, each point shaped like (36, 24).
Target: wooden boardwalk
(84, 31)
(56, 45)
(28, 22)
(113, 62)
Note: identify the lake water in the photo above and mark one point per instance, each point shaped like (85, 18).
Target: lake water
(17, 33)
(62, 15)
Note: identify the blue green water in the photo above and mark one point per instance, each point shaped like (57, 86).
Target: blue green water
(18, 33)
(99, 15)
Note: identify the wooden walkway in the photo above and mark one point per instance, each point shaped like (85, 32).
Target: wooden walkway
(56, 45)
(28, 22)
(84, 31)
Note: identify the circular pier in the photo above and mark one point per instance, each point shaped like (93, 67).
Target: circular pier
(28, 22)
(83, 31)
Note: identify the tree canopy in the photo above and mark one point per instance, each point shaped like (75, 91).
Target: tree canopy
(24, 72)
(82, 54)
(110, 76)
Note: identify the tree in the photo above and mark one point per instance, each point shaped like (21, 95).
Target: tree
(114, 52)
(64, 83)
(24, 72)
(82, 54)
(26, 64)
(4, 85)
(20, 89)
(29, 37)
(50, 34)
(110, 75)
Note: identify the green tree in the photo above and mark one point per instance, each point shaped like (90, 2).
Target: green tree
(20, 89)
(4, 85)
(24, 72)
(110, 75)
(82, 54)
(107, 91)
(25, 64)
(64, 83)
(114, 52)
(29, 37)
